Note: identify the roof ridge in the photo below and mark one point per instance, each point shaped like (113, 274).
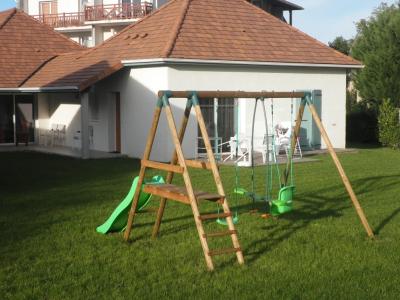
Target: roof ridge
(129, 27)
(300, 32)
(37, 69)
(175, 32)
(12, 13)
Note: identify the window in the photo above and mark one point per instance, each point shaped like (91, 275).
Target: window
(48, 7)
(219, 117)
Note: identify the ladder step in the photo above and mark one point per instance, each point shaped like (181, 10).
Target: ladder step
(223, 251)
(162, 166)
(214, 216)
(219, 233)
(180, 194)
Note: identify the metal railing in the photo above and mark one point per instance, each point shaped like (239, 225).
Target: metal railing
(62, 20)
(120, 11)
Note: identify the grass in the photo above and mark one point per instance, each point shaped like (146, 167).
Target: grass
(50, 207)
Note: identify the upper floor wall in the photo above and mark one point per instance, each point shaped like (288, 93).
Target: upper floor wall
(40, 7)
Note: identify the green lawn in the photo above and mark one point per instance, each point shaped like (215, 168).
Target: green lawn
(49, 249)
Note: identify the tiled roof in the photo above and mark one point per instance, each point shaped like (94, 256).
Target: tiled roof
(25, 45)
(192, 29)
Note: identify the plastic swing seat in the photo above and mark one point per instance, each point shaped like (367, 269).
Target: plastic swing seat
(284, 203)
(223, 221)
(235, 218)
(245, 193)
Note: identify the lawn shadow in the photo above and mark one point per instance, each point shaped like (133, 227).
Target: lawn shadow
(319, 207)
(387, 220)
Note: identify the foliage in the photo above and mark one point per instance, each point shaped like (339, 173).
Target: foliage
(389, 126)
(50, 207)
(377, 45)
(341, 44)
(361, 123)
(351, 100)
(344, 46)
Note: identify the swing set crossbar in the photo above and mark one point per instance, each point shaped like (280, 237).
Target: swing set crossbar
(233, 94)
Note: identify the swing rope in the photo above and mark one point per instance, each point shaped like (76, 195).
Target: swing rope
(237, 179)
(278, 171)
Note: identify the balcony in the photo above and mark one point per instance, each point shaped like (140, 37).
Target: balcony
(94, 13)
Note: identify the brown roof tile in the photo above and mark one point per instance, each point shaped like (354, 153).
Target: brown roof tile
(25, 45)
(192, 29)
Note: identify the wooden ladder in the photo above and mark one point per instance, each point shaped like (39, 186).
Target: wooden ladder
(186, 194)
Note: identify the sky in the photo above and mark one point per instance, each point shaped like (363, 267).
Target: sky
(322, 19)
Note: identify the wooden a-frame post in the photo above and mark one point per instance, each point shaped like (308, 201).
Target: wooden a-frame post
(307, 100)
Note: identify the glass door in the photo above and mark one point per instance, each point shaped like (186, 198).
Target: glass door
(24, 125)
(219, 117)
(6, 119)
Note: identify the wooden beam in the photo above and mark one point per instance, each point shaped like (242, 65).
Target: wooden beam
(295, 135)
(233, 94)
(341, 171)
(217, 179)
(188, 184)
(170, 175)
(165, 194)
(162, 166)
(198, 164)
(147, 151)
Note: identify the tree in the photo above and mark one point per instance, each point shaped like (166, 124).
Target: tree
(341, 44)
(389, 127)
(377, 46)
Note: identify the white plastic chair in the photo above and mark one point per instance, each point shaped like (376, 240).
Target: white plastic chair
(283, 132)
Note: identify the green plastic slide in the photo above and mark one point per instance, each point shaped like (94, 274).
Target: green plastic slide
(118, 219)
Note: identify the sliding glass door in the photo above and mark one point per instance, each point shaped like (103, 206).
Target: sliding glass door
(25, 132)
(16, 119)
(6, 119)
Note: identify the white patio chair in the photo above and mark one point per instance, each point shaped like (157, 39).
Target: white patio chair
(283, 132)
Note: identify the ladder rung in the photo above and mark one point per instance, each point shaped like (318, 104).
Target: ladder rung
(198, 164)
(214, 216)
(162, 166)
(219, 233)
(223, 251)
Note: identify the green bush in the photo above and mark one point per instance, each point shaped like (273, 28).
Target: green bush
(362, 126)
(389, 127)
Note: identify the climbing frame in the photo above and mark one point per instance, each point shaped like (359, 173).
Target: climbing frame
(186, 194)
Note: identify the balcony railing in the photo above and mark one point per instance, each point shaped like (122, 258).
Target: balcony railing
(62, 20)
(119, 11)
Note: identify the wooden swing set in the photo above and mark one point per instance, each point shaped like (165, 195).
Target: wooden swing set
(180, 165)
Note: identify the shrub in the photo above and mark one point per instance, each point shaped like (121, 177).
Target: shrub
(362, 126)
(389, 127)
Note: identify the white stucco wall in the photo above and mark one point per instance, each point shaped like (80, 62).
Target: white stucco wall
(64, 6)
(138, 88)
(332, 83)
(63, 109)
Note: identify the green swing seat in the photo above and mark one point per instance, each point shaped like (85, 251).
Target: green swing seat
(284, 203)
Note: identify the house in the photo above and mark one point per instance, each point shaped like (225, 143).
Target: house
(108, 93)
(25, 45)
(90, 22)
(278, 8)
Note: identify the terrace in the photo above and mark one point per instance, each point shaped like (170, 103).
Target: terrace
(95, 13)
